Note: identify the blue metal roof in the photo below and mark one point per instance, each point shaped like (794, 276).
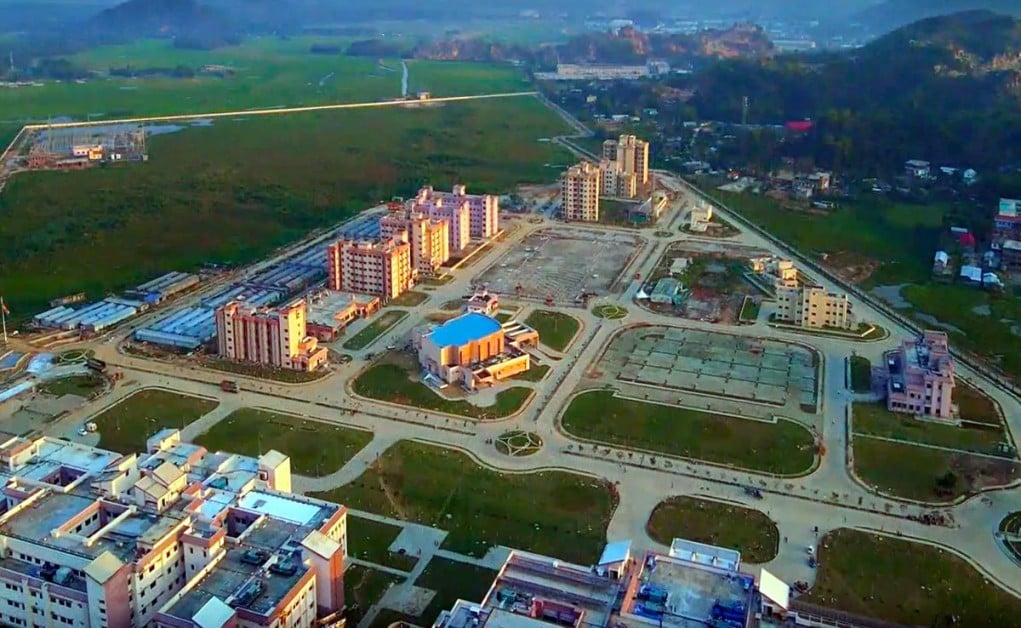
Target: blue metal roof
(463, 329)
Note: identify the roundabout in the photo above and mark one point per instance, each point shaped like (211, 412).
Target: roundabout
(610, 311)
(518, 443)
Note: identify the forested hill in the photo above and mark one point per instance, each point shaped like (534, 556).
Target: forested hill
(946, 89)
(891, 14)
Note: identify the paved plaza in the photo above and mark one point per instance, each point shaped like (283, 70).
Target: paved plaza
(737, 367)
(563, 265)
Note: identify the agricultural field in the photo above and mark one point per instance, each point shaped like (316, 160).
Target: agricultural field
(234, 191)
(555, 513)
(264, 73)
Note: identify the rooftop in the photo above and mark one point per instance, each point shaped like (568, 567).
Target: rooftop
(464, 329)
(324, 305)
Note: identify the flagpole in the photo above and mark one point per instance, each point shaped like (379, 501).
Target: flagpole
(3, 317)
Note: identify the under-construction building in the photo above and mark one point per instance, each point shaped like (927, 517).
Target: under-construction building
(72, 148)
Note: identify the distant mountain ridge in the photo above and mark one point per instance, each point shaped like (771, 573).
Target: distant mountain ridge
(890, 15)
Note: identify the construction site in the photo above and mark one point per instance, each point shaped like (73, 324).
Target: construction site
(544, 266)
(79, 147)
(701, 281)
(732, 374)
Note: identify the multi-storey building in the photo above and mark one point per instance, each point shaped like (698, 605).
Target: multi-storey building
(625, 166)
(920, 377)
(429, 238)
(580, 190)
(380, 268)
(176, 536)
(476, 350)
(812, 306)
(471, 216)
(275, 337)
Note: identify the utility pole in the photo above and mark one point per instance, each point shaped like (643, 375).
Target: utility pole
(3, 318)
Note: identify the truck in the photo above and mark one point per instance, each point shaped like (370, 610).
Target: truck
(95, 364)
(229, 385)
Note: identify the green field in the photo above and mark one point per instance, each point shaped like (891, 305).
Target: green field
(233, 191)
(125, 426)
(268, 73)
(555, 513)
(875, 420)
(81, 385)
(748, 531)
(450, 580)
(410, 298)
(315, 448)
(556, 330)
(861, 374)
(901, 237)
(260, 371)
(535, 373)
(927, 474)
(375, 329)
(363, 588)
(370, 541)
(907, 583)
(391, 382)
(784, 448)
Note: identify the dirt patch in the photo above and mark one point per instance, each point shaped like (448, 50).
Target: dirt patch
(979, 472)
(851, 267)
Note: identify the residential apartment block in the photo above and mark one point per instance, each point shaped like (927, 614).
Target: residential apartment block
(812, 306)
(380, 268)
(471, 216)
(624, 166)
(580, 191)
(275, 337)
(429, 238)
(920, 377)
(173, 537)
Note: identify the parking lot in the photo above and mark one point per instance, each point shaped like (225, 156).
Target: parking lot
(563, 266)
(722, 365)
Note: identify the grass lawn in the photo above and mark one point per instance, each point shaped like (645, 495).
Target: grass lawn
(375, 329)
(861, 374)
(125, 426)
(615, 212)
(370, 541)
(748, 531)
(555, 513)
(503, 317)
(315, 448)
(81, 385)
(260, 371)
(915, 472)
(875, 420)
(363, 588)
(610, 311)
(234, 191)
(974, 405)
(451, 580)
(750, 310)
(961, 306)
(534, 374)
(785, 448)
(901, 237)
(556, 330)
(905, 582)
(410, 298)
(391, 382)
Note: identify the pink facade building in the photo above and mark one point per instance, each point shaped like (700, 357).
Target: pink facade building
(471, 216)
(921, 377)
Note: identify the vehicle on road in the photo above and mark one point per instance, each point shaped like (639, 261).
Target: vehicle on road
(753, 492)
(229, 385)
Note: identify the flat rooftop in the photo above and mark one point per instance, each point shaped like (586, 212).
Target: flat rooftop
(463, 329)
(682, 594)
(324, 305)
(289, 508)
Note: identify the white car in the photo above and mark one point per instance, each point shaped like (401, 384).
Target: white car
(82, 431)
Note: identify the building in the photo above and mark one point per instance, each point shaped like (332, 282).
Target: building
(604, 72)
(700, 217)
(482, 302)
(174, 536)
(812, 306)
(380, 268)
(1006, 223)
(429, 238)
(624, 167)
(917, 169)
(580, 191)
(474, 350)
(920, 377)
(330, 312)
(483, 211)
(275, 337)
(782, 270)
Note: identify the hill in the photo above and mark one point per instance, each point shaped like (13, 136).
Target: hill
(944, 89)
(889, 15)
(190, 23)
